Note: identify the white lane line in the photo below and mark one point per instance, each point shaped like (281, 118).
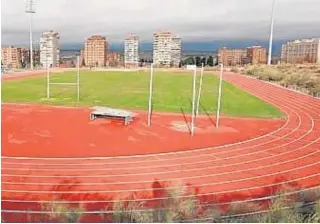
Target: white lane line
(169, 188)
(184, 196)
(216, 204)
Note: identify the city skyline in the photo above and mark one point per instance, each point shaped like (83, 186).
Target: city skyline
(194, 21)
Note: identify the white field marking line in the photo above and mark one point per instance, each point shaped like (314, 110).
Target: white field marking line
(210, 204)
(129, 156)
(201, 194)
(172, 188)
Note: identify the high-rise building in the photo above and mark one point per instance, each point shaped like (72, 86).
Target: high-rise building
(131, 51)
(250, 55)
(95, 51)
(11, 57)
(176, 52)
(301, 51)
(49, 49)
(257, 55)
(166, 49)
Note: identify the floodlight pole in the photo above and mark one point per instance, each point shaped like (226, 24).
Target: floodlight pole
(219, 96)
(193, 100)
(30, 9)
(31, 47)
(78, 78)
(150, 95)
(200, 88)
(271, 33)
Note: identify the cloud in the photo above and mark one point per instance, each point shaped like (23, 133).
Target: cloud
(193, 20)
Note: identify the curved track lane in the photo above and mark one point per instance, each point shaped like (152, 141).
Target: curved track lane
(246, 171)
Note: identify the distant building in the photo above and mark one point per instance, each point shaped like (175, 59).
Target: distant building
(25, 57)
(131, 51)
(232, 57)
(166, 49)
(301, 51)
(176, 51)
(82, 57)
(49, 49)
(256, 55)
(95, 51)
(251, 55)
(11, 57)
(113, 59)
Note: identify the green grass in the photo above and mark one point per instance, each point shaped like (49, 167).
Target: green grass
(172, 92)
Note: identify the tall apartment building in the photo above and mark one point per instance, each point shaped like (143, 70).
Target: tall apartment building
(249, 55)
(166, 49)
(11, 57)
(95, 51)
(301, 51)
(131, 51)
(49, 49)
(176, 51)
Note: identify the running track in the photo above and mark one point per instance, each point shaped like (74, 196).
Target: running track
(245, 171)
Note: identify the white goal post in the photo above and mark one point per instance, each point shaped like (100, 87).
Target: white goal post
(75, 84)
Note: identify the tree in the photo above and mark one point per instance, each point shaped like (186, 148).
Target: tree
(204, 61)
(189, 61)
(210, 61)
(198, 61)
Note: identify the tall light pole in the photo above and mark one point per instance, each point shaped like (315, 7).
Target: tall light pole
(271, 32)
(30, 9)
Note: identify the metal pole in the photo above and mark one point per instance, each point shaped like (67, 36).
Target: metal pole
(219, 97)
(193, 100)
(150, 95)
(48, 78)
(31, 42)
(78, 78)
(271, 32)
(200, 88)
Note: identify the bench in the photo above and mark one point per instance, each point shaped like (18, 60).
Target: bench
(106, 112)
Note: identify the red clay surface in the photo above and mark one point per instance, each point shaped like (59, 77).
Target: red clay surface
(44, 131)
(288, 156)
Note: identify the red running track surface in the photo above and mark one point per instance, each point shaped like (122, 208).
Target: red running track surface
(289, 155)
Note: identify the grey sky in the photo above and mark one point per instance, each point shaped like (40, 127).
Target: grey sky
(193, 20)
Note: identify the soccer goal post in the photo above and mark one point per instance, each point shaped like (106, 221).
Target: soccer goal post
(74, 84)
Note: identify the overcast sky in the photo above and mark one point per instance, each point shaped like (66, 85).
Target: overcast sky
(193, 20)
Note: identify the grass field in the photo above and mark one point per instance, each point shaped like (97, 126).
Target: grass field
(172, 93)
